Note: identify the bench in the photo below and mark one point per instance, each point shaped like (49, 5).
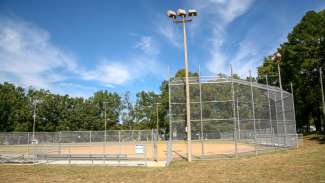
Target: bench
(82, 156)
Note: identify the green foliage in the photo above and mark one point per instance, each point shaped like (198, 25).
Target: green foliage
(302, 56)
(56, 112)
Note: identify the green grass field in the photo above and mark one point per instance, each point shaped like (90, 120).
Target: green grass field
(306, 164)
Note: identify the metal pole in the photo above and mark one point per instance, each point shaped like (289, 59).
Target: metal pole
(322, 90)
(293, 104)
(294, 110)
(119, 142)
(188, 108)
(90, 137)
(201, 113)
(270, 112)
(169, 145)
(253, 109)
(105, 124)
(282, 105)
(157, 114)
(234, 111)
(276, 118)
(60, 142)
(28, 143)
(238, 119)
(34, 117)
(169, 108)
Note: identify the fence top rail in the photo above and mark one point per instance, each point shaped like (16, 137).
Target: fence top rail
(86, 131)
(218, 79)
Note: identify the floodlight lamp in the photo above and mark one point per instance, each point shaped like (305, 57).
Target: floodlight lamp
(181, 13)
(192, 12)
(278, 55)
(171, 14)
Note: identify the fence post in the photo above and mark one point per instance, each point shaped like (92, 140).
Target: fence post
(284, 121)
(201, 114)
(270, 112)
(69, 154)
(238, 119)
(322, 92)
(170, 149)
(28, 140)
(294, 110)
(234, 111)
(33, 148)
(145, 156)
(276, 118)
(253, 110)
(119, 142)
(90, 137)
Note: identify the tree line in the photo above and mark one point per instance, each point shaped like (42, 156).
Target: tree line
(302, 57)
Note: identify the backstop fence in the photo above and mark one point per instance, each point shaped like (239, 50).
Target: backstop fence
(230, 117)
(113, 147)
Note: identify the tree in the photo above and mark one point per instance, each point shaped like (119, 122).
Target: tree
(302, 55)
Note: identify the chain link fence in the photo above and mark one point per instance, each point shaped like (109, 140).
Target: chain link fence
(113, 147)
(230, 118)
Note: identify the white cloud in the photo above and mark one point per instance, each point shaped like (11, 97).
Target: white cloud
(147, 45)
(28, 58)
(113, 73)
(254, 47)
(232, 9)
(27, 54)
(108, 73)
(220, 14)
(168, 29)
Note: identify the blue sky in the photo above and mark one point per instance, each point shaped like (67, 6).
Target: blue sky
(77, 47)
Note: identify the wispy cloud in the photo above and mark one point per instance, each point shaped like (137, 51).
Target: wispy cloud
(220, 14)
(168, 31)
(29, 58)
(147, 45)
(108, 73)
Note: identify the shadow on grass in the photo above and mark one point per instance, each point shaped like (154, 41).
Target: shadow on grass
(318, 137)
(181, 156)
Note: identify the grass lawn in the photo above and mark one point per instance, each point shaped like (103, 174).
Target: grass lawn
(306, 164)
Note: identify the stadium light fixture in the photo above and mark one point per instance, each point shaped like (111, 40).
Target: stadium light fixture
(181, 13)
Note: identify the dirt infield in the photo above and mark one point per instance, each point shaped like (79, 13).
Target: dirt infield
(179, 149)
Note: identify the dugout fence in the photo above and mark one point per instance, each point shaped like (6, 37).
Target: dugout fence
(113, 147)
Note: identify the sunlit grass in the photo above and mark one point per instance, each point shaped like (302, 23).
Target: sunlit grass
(307, 164)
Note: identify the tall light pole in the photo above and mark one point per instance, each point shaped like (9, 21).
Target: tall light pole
(277, 58)
(323, 100)
(182, 14)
